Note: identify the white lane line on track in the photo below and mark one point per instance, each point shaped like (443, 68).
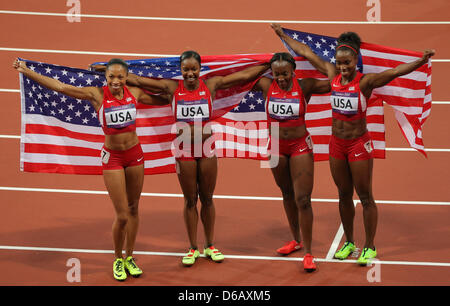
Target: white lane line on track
(10, 136)
(244, 257)
(224, 20)
(387, 149)
(123, 53)
(226, 197)
(87, 52)
(9, 90)
(414, 150)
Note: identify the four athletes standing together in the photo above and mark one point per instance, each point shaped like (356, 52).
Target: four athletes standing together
(351, 159)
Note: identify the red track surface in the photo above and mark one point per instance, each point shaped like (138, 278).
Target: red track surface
(406, 233)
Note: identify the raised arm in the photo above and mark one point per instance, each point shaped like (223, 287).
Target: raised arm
(148, 99)
(263, 85)
(304, 50)
(375, 80)
(92, 94)
(312, 86)
(241, 77)
(156, 86)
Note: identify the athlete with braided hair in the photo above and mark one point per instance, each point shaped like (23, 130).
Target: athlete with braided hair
(286, 99)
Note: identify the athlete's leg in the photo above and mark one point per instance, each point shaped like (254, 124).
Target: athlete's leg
(116, 185)
(302, 174)
(342, 177)
(282, 176)
(135, 179)
(207, 177)
(187, 176)
(362, 179)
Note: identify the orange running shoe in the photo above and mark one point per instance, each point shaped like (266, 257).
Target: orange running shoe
(308, 263)
(290, 247)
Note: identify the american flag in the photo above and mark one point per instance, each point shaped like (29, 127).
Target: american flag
(409, 95)
(61, 134)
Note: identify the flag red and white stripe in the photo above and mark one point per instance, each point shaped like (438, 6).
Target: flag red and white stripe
(62, 135)
(51, 140)
(409, 95)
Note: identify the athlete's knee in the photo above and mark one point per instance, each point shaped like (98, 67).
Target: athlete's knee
(288, 195)
(190, 201)
(206, 198)
(133, 208)
(366, 199)
(122, 219)
(303, 201)
(287, 192)
(345, 195)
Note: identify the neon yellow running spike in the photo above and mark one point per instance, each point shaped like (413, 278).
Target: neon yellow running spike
(119, 270)
(132, 268)
(345, 251)
(190, 257)
(366, 256)
(214, 254)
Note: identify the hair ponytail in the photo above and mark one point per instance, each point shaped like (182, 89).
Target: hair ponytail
(349, 41)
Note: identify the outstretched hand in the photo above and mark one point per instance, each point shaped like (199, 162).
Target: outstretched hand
(19, 65)
(277, 28)
(98, 68)
(427, 54)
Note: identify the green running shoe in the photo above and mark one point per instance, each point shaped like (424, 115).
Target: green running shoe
(366, 256)
(190, 257)
(345, 251)
(119, 270)
(132, 268)
(214, 254)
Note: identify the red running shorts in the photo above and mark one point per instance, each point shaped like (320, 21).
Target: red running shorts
(360, 148)
(291, 147)
(114, 159)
